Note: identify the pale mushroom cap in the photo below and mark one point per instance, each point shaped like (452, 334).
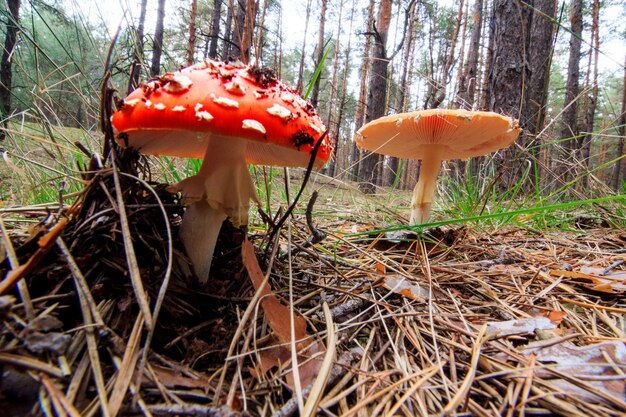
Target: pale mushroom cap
(176, 113)
(464, 134)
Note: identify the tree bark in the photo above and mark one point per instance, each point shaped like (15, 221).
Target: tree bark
(619, 176)
(361, 104)
(333, 128)
(319, 53)
(246, 31)
(259, 49)
(510, 71)
(227, 46)
(303, 49)
(542, 43)
(215, 28)
(569, 127)
(157, 48)
(191, 44)
(467, 82)
(377, 92)
(400, 104)
(591, 86)
(135, 71)
(448, 63)
(485, 92)
(6, 71)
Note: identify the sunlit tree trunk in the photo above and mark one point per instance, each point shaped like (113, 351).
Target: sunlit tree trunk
(6, 71)
(191, 42)
(157, 46)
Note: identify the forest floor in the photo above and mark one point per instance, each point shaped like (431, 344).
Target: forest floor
(457, 320)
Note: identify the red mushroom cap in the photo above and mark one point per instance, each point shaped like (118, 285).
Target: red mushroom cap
(172, 114)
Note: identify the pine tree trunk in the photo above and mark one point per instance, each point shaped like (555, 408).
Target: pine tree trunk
(215, 28)
(157, 47)
(403, 86)
(258, 49)
(619, 176)
(227, 46)
(303, 49)
(191, 44)
(467, 82)
(591, 86)
(569, 129)
(377, 92)
(448, 63)
(319, 53)
(510, 71)
(246, 31)
(238, 30)
(542, 44)
(6, 71)
(361, 104)
(135, 72)
(333, 126)
(485, 92)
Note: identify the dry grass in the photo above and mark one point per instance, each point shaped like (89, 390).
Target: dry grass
(456, 322)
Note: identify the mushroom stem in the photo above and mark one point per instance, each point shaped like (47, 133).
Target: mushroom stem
(221, 189)
(199, 231)
(424, 190)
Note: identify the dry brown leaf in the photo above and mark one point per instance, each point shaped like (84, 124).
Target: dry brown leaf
(611, 283)
(555, 317)
(380, 268)
(594, 364)
(400, 285)
(172, 379)
(278, 315)
(520, 326)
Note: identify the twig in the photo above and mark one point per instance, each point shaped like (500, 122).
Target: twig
(305, 180)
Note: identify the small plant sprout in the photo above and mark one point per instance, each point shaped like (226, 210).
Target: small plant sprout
(229, 115)
(433, 136)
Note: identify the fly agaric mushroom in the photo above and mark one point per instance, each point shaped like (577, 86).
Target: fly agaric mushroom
(228, 114)
(433, 136)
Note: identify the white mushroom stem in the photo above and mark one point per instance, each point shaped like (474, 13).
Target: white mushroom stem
(424, 190)
(221, 189)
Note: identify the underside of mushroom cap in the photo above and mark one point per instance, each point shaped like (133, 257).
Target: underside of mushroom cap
(463, 134)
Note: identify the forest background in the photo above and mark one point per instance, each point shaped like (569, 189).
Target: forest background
(558, 67)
